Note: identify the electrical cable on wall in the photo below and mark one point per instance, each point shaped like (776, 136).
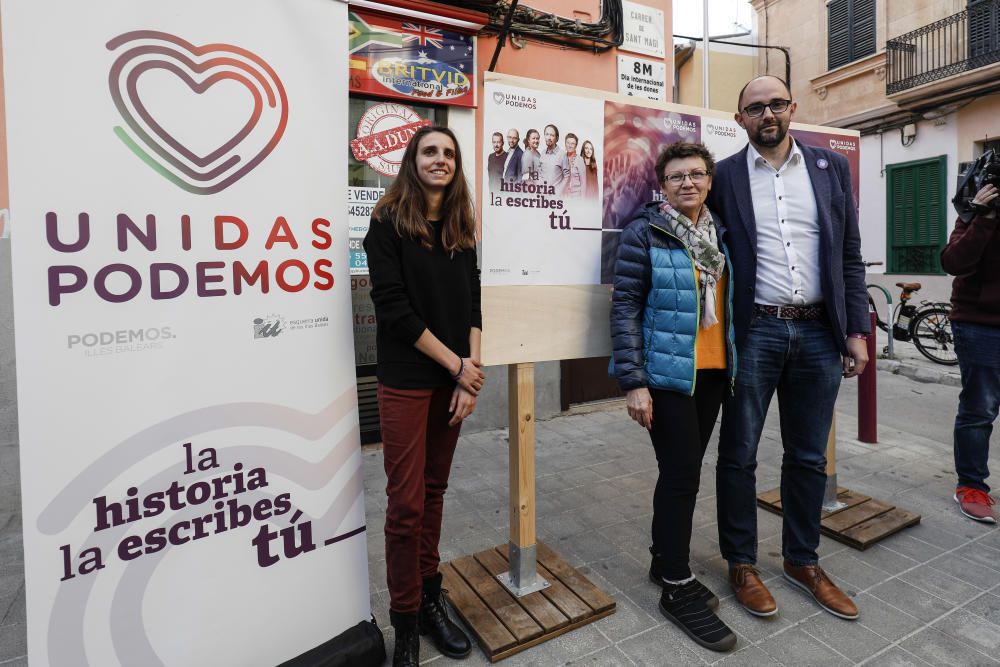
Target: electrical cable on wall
(600, 36)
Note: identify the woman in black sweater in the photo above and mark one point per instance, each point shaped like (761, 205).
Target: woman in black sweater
(421, 249)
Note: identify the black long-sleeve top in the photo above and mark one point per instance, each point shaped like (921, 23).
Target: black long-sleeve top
(414, 289)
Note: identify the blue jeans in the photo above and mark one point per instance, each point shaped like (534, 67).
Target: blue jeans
(801, 360)
(978, 349)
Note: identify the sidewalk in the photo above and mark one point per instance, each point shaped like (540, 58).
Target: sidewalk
(908, 362)
(930, 595)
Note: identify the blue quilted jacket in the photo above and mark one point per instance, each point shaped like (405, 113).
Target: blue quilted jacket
(655, 308)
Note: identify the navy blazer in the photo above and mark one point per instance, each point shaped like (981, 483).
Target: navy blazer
(842, 273)
(513, 172)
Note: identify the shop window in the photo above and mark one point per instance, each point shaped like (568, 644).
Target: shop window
(360, 173)
(851, 25)
(916, 217)
(366, 182)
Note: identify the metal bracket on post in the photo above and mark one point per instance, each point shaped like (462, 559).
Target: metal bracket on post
(830, 501)
(522, 578)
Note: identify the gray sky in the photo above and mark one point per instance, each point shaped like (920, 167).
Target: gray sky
(723, 16)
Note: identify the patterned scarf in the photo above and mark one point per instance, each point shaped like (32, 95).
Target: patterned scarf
(700, 239)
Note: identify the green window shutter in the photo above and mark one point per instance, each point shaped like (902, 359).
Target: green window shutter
(851, 31)
(863, 28)
(984, 27)
(839, 39)
(915, 217)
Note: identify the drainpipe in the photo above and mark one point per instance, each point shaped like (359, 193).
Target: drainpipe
(685, 54)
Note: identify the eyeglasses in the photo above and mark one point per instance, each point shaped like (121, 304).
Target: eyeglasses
(696, 176)
(756, 110)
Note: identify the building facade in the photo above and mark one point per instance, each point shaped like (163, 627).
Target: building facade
(919, 80)
(381, 32)
(730, 66)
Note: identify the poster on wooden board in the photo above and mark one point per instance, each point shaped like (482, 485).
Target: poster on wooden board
(570, 292)
(550, 197)
(190, 459)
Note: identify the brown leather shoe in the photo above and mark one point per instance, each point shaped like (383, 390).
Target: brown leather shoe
(750, 590)
(813, 580)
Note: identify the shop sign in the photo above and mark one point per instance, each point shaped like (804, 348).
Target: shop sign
(361, 203)
(383, 133)
(411, 61)
(643, 28)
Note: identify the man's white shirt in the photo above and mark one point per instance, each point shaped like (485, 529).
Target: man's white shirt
(788, 240)
(506, 163)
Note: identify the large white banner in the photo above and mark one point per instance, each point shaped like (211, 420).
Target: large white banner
(190, 461)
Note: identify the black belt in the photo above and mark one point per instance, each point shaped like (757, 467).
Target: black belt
(815, 311)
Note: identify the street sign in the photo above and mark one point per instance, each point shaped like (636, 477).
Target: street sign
(638, 77)
(643, 28)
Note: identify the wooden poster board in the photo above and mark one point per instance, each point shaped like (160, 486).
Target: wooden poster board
(552, 322)
(539, 596)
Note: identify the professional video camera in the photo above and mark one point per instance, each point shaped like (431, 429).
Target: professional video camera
(984, 171)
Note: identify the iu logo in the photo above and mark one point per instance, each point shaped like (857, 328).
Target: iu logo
(203, 117)
(268, 327)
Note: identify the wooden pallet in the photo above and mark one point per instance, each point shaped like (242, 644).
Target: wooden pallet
(861, 523)
(504, 624)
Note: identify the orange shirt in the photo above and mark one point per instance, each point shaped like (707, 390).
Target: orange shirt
(710, 344)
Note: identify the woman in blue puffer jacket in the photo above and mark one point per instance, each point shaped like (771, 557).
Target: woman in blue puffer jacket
(672, 336)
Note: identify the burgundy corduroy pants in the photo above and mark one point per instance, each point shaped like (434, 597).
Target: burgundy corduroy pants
(417, 448)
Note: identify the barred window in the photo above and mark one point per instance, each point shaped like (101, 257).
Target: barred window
(851, 31)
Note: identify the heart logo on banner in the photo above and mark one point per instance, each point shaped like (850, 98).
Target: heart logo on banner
(498, 97)
(198, 68)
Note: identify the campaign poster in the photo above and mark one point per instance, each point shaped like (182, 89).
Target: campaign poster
(846, 144)
(723, 137)
(190, 456)
(541, 187)
(634, 136)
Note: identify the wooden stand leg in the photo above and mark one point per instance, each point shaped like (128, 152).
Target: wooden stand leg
(522, 578)
(500, 593)
(848, 516)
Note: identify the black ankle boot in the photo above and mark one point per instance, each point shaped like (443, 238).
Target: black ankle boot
(407, 651)
(433, 620)
(656, 576)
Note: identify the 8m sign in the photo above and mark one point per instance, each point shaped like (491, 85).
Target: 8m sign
(638, 77)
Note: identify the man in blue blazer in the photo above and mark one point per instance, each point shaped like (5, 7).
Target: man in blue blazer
(801, 318)
(512, 165)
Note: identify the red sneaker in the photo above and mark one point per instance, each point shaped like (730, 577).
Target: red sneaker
(975, 504)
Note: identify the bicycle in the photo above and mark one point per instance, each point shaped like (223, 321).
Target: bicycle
(926, 326)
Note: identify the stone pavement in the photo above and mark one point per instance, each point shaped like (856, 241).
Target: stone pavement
(930, 595)
(907, 361)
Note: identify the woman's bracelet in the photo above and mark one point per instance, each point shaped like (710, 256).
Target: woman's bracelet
(461, 369)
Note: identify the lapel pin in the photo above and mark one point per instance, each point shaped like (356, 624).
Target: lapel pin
(822, 163)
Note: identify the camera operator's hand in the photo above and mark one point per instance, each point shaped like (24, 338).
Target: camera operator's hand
(985, 198)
